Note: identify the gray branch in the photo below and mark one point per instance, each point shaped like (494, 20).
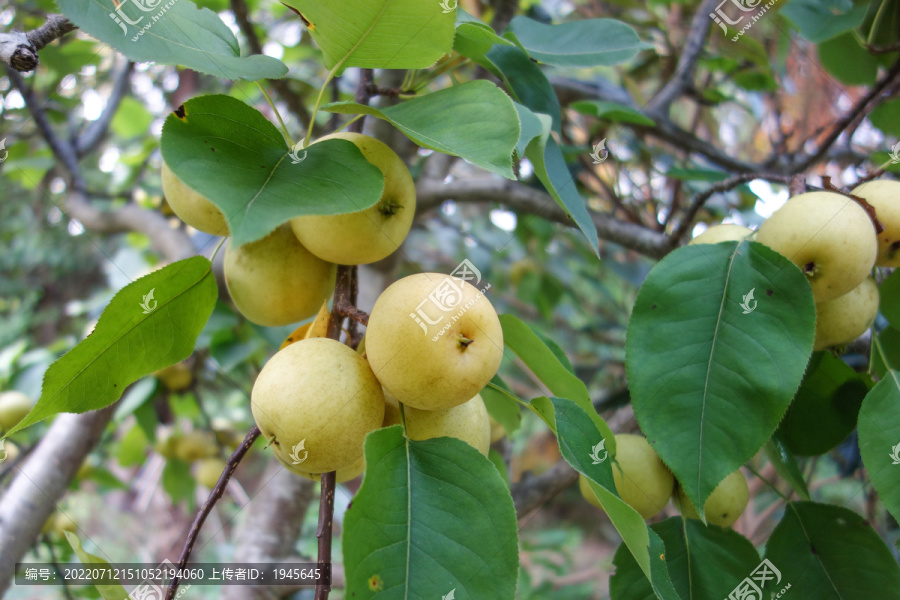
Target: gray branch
(20, 50)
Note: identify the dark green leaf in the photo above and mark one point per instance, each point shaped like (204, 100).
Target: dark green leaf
(820, 20)
(889, 293)
(177, 481)
(847, 61)
(526, 81)
(584, 43)
(879, 439)
(502, 405)
(698, 363)
(786, 465)
(611, 111)
(128, 342)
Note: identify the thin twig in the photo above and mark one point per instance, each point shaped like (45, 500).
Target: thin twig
(20, 50)
(207, 507)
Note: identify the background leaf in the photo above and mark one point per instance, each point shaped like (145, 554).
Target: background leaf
(611, 111)
(697, 365)
(879, 435)
(586, 43)
(183, 35)
(820, 20)
(889, 293)
(475, 121)
(107, 591)
(431, 516)
(233, 155)
(128, 344)
(529, 86)
(827, 552)
(379, 34)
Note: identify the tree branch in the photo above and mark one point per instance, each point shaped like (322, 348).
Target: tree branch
(88, 141)
(20, 50)
(214, 497)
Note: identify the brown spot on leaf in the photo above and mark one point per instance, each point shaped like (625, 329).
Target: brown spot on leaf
(769, 292)
(180, 112)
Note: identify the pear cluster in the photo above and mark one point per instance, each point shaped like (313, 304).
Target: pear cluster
(317, 399)
(286, 276)
(644, 482)
(833, 240)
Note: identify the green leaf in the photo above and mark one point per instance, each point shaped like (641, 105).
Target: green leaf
(889, 293)
(886, 117)
(526, 81)
(532, 127)
(475, 38)
(129, 343)
(786, 465)
(475, 121)
(543, 362)
(132, 119)
(703, 562)
(850, 63)
(886, 354)
(430, 517)
(577, 437)
(233, 155)
(182, 35)
(502, 405)
(698, 363)
(551, 170)
(820, 20)
(378, 34)
(879, 440)
(824, 409)
(110, 591)
(177, 480)
(612, 111)
(133, 447)
(826, 552)
(584, 43)
(497, 460)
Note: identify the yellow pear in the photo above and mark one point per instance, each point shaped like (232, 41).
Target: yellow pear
(371, 234)
(176, 378)
(724, 505)
(195, 445)
(726, 232)
(434, 341)
(842, 320)
(884, 195)
(192, 207)
(276, 281)
(829, 236)
(14, 405)
(209, 470)
(391, 410)
(468, 422)
(497, 431)
(315, 401)
(641, 478)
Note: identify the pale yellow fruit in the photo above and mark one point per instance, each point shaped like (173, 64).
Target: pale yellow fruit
(497, 431)
(724, 505)
(391, 410)
(641, 478)
(842, 320)
(321, 395)
(829, 236)
(468, 422)
(195, 445)
(368, 235)
(209, 470)
(276, 281)
(192, 207)
(446, 357)
(587, 493)
(177, 377)
(58, 523)
(884, 195)
(167, 442)
(726, 232)
(351, 471)
(14, 405)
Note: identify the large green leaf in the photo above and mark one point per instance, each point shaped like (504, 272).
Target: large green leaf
(475, 121)
(826, 552)
(233, 155)
(182, 34)
(709, 379)
(379, 34)
(820, 20)
(149, 324)
(889, 293)
(584, 43)
(430, 517)
(850, 63)
(823, 412)
(108, 591)
(474, 38)
(703, 562)
(886, 117)
(526, 81)
(546, 365)
(879, 439)
(553, 173)
(786, 465)
(578, 436)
